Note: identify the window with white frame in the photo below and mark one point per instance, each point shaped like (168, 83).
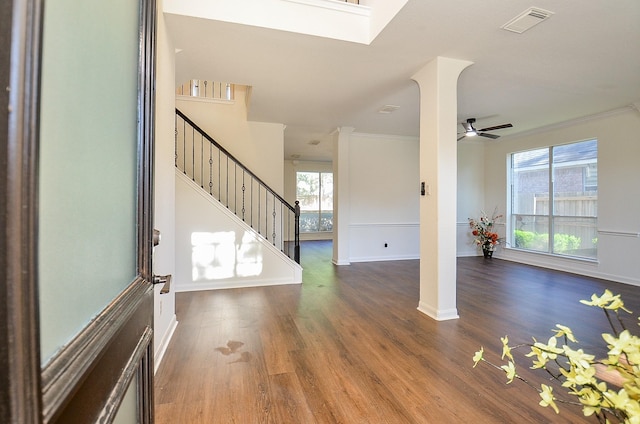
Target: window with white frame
(554, 199)
(314, 190)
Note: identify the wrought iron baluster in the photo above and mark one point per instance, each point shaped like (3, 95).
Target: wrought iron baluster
(286, 230)
(210, 169)
(274, 220)
(282, 227)
(201, 161)
(251, 203)
(193, 154)
(290, 219)
(184, 147)
(243, 189)
(281, 233)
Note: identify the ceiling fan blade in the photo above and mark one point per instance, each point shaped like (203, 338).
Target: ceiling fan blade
(488, 135)
(460, 138)
(497, 127)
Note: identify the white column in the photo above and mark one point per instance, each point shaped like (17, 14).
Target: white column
(438, 82)
(341, 196)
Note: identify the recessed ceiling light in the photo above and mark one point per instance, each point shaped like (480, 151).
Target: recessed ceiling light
(527, 20)
(388, 109)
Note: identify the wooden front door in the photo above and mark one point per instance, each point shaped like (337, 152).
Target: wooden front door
(76, 146)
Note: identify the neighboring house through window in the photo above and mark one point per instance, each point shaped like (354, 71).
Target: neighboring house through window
(554, 199)
(315, 193)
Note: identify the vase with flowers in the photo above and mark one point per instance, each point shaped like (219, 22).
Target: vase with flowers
(484, 233)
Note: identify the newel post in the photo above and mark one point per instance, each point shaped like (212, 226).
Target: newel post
(296, 252)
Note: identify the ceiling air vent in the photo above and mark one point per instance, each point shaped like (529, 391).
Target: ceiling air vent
(527, 19)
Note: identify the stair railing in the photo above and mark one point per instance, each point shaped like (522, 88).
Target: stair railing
(225, 178)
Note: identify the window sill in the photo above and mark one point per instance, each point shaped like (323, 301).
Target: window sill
(581, 259)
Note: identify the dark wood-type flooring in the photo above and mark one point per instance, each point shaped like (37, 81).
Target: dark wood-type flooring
(349, 346)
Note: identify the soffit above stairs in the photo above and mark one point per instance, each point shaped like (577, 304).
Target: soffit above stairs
(358, 23)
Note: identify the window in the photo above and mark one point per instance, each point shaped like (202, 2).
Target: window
(315, 193)
(554, 196)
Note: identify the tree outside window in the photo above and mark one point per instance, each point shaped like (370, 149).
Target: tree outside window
(315, 194)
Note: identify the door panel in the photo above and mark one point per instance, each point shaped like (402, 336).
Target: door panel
(88, 157)
(101, 376)
(77, 271)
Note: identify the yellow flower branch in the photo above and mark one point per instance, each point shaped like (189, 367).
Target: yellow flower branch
(579, 372)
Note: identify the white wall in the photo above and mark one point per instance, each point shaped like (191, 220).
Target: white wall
(383, 197)
(384, 192)
(258, 145)
(164, 190)
(618, 191)
(216, 250)
(471, 193)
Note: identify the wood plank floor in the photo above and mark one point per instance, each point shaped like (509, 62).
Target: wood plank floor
(349, 346)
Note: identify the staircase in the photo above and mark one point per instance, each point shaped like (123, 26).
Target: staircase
(199, 157)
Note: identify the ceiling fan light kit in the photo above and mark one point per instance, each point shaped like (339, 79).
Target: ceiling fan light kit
(470, 131)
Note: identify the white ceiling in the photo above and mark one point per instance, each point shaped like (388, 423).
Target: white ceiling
(584, 60)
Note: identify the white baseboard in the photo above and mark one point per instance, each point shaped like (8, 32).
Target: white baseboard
(233, 284)
(385, 258)
(162, 348)
(437, 314)
(574, 266)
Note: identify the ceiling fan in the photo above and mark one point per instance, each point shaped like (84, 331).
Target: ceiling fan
(470, 131)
